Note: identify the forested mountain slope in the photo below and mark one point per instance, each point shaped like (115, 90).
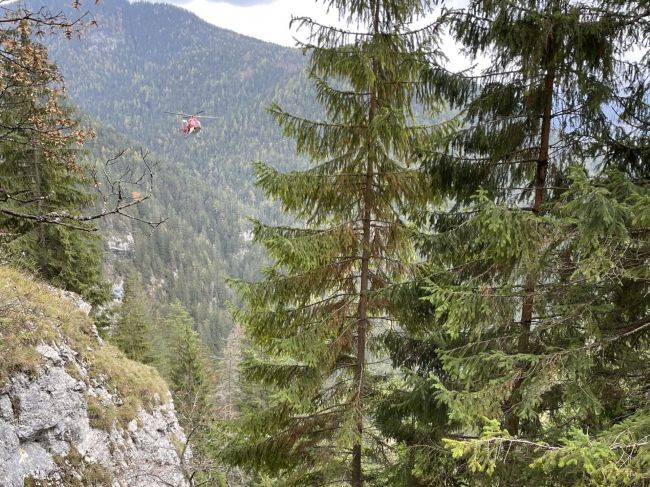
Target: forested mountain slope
(185, 259)
(144, 59)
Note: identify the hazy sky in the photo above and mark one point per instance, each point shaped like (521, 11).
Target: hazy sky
(264, 19)
(269, 19)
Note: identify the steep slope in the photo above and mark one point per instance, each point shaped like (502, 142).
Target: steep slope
(73, 410)
(178, 260)
(144, 59)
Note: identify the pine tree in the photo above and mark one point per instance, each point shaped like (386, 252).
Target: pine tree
(40, 172)
(133, 330)
(526, 349)
(229, 393)
(314, 319)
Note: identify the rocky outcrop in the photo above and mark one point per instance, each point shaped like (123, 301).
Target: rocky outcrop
(79, 416)
(121, 246)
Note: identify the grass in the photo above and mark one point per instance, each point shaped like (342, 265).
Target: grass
(26, 319)
(32, 313)
(76, 471)
(100, 416)
(138, 385)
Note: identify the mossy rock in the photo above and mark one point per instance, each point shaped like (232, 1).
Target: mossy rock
(32, 313)
(74, 471)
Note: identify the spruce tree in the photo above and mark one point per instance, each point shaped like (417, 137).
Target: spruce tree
(189, 368)
(524, 346)
(229, 393)
(132, 332)
(183, 360)
(314, 318)
(41, 173)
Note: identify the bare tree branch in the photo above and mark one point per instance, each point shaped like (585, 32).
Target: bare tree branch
(117, 194)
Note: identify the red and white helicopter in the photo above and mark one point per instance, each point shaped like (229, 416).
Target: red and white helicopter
(189, 124)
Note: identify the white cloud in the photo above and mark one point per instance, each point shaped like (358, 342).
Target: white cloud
(263, 19)
(268, 20)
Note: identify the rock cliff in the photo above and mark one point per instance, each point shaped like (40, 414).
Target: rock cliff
(73, 410)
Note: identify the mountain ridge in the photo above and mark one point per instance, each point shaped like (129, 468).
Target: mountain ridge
(143, 59)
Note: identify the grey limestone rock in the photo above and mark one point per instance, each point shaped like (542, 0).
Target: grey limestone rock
(45, 418)
(53, 400)
(9, 455)
(6, 409)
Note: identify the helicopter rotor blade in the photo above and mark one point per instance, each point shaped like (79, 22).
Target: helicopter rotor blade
(187, 114)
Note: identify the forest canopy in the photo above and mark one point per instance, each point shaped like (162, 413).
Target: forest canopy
(449, 276)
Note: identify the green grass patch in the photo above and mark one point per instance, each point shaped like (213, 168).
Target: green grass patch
(27, 317)
(74, 471)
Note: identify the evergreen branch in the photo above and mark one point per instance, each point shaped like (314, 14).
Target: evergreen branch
(431, 29)
(276, 110)
(540, 445)
(643, 324)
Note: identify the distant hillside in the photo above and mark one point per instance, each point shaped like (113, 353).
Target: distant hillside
(144, 59)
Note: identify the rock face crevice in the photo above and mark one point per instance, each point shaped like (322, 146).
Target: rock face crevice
(67, 424)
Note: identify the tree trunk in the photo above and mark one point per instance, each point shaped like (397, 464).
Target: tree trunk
(523, 345)
(38, 194)
(362, 325)
(362, 328)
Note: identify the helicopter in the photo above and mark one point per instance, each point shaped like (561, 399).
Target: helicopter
(189, 124)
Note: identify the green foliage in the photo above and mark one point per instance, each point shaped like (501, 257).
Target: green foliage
(534, 306)
(132, 331)
(560, 56)
(41, 178)
(523, 338)
(190, 368)
(183, 360)
(314, 319)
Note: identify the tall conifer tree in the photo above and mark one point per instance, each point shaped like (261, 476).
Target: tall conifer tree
(189, 366)
(132, 332)
(40, 173)
(314, 318)
(528, 350)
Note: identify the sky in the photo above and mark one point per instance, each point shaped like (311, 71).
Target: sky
(264, 19)
(268, 20)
